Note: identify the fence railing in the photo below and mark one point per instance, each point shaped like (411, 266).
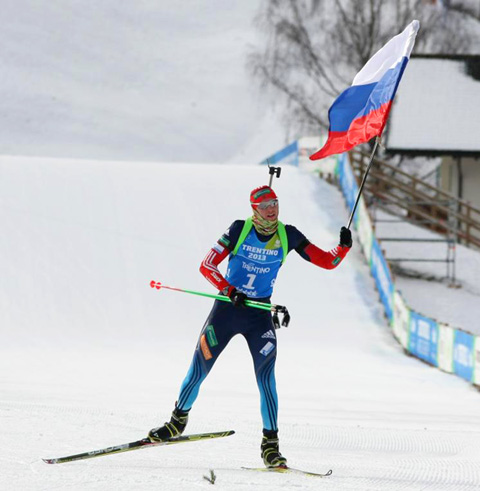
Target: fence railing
(418, 201)
(451, 349)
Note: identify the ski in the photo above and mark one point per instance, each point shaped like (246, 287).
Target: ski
(284, 469)
(143, 443)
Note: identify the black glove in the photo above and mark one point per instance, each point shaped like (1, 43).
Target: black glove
(237, 298)
(345, 237)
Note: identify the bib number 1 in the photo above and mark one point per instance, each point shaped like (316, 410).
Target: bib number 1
(251, 279)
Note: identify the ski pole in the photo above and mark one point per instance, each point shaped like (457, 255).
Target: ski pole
(377, 140)
(249, 303)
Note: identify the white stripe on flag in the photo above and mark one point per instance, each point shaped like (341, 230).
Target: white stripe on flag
(389, 56)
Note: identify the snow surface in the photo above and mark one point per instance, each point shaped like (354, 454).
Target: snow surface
(433, 108)
(92, 357)
(457, 304)
(143, 80)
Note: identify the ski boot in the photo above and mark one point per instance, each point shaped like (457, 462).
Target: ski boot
(172, 429)
(270, 452)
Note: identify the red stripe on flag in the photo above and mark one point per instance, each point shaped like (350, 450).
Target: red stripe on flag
(361, 130)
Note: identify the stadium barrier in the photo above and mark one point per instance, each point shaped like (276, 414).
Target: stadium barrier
(450, 349)
(288, 155)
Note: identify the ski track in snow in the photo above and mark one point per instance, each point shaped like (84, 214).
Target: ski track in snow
(92, 357)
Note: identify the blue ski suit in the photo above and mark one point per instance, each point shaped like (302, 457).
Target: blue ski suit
(252, 269)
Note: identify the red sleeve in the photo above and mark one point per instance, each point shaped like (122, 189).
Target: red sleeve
(209, 266)
(324, 259)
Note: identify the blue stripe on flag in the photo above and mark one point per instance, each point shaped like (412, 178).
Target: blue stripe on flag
(359, 100)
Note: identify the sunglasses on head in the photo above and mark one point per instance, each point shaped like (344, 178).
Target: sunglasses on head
(265, 204)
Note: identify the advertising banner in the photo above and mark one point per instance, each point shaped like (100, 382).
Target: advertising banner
(463, 354)
(364, 229)
(446, 336)
(452, 350)
(348, 183)
(423, 338)
(382, 277)
(476, 373)
(287, 155)
(401, 320)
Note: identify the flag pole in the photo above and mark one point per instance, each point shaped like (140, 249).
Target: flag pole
(377, 140)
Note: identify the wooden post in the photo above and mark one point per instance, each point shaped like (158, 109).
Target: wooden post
(469, 214)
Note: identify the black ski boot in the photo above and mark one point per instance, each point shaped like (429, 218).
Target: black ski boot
(270, 453)
(172, 429)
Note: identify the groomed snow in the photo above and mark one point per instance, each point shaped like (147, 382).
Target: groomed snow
(92, 357)
(142, 80)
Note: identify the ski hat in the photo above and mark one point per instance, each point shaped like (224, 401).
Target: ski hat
(261, 194)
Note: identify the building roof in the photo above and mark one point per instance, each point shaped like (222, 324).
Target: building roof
(437, 107)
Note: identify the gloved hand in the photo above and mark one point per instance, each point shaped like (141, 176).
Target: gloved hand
(345, 237)
(237, 298)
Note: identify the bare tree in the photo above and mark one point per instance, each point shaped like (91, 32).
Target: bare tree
(313, 48)
(468, 8)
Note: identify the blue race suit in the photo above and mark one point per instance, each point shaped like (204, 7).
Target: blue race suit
(253, 271)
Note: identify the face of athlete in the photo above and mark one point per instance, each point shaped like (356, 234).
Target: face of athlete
(269, 213)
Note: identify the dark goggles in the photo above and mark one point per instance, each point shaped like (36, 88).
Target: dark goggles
(266, 204)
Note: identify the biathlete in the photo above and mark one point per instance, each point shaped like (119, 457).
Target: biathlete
(257, 248)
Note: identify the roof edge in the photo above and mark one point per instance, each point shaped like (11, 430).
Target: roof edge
(426, 152)
(457, 57)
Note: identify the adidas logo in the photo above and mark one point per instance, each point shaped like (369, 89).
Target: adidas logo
(269, 335)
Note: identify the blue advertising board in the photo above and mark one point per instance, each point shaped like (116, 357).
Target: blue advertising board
(464, 354)
(382, 277)
(348, 184)
(423, 338)
(287, 155)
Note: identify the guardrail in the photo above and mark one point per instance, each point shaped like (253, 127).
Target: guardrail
(287, 155)
(451, 349)
(438, 210)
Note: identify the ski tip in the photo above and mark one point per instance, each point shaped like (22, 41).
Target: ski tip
(49, 461)
(285, 468)
(223, 433)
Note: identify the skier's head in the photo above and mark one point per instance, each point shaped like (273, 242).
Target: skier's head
(264, 202)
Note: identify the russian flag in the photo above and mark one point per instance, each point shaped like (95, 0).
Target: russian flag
(361, 111)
